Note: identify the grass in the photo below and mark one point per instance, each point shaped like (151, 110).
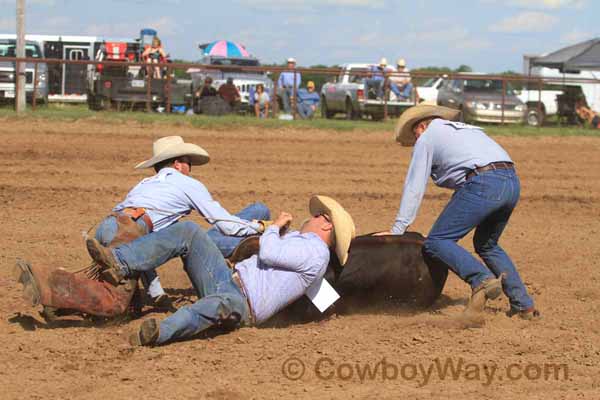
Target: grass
(81, 112)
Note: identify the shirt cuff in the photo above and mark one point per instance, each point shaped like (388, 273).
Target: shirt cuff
(398, 230)
(272, 228)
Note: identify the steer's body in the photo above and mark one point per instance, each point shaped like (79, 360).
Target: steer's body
(379, 270)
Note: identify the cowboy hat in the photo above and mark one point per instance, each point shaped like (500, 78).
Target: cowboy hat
(343, 225)
(172, 147)
(291, 60)
(401, 62)
(404, 127)
(383, 61)
(310, 84)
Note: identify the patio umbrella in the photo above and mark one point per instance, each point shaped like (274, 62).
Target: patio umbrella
(224, 48)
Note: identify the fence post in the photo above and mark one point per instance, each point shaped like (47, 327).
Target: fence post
(168, 90)
(386, 92)
(539, 104)
(149, 89)
(294, 94)
(274, 101)
(35, 85)
(503, 99)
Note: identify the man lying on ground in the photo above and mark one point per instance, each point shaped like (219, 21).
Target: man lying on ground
(154, 204)
(255, 290)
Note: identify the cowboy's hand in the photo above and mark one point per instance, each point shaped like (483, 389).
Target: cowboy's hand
(263, 224)
(284, 219)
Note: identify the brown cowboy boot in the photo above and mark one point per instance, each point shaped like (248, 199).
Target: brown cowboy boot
(102, 255)
(488, 290)
(60, 289)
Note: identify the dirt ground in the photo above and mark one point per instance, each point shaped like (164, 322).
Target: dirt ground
(59, 178)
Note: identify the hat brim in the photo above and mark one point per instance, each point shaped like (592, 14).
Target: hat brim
(343, 225)
(404, 132)
(197, 155)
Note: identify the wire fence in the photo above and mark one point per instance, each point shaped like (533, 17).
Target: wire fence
(176, 87)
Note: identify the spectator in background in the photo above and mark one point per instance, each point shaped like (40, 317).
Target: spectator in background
(379, 78)
(308, 101)
(587, 114)
(402, 80)
(286, 84)
(154, 55)
(206, 89)
(261, 102)
(230, 94)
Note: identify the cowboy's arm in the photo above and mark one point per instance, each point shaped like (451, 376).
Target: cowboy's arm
(295, 255)
(215, 214)
(414, 187)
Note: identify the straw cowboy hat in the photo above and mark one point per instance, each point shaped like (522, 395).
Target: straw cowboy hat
(401, 62)
(172, 147)
(404, 127)
(343, 225)
(383, 61)
(291, 60)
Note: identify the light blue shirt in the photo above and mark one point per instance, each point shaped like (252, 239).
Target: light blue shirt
(282, 271)
(446, 151)
(286, 79)
(306, 97)
(170, 195)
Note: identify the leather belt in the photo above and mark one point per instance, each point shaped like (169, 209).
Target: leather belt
(137, 213)
(490, 167)
(235, 277)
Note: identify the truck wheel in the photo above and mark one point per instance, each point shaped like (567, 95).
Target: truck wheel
(534, 118)
(325, 113)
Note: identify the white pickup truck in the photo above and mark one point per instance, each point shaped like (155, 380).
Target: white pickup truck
(536, 113)
(348, 95)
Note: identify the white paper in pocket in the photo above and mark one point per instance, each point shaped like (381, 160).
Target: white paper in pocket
(322, 294)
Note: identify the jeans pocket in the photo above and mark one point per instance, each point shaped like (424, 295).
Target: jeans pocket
(488, 186)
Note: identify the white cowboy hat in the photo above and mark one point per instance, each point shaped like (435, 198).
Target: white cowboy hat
(172, 147)
(383, 61)
(343, 225)
(291, 60)
(401, 62)
(404, 131)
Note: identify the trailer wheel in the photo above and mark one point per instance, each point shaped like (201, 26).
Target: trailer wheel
(325, 113)
(534, 118)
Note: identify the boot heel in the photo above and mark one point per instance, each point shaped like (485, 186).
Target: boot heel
(24, 276)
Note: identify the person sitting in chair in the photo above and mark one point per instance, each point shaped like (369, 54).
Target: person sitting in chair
(587, 114)
(154, 55)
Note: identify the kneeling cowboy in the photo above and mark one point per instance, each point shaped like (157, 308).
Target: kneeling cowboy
(155, 203)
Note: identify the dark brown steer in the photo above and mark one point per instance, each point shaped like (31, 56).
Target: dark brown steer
(379, 270)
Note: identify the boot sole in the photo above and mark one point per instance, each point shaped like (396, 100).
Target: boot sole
(23, 274)
(108, 273)
(147, 334)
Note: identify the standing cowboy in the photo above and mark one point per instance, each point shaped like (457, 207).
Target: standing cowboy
(286, 265)
(152, 205)
(463, 158)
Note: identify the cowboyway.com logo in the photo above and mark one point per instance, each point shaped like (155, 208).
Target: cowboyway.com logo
(326, 368)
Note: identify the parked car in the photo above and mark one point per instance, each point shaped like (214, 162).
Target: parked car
(8, 74)
(428, 91)
(348, 95)
(480, 100)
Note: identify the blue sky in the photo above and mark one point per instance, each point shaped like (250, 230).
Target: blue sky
(488, 35)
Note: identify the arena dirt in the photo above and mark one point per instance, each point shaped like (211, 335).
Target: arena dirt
(59, 178)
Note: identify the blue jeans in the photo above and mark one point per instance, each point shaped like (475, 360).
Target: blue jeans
(305, 110)
(485, 203)
(106, 232)
(228, 243)
(406, 91)
(220, 299)
(286, 94)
